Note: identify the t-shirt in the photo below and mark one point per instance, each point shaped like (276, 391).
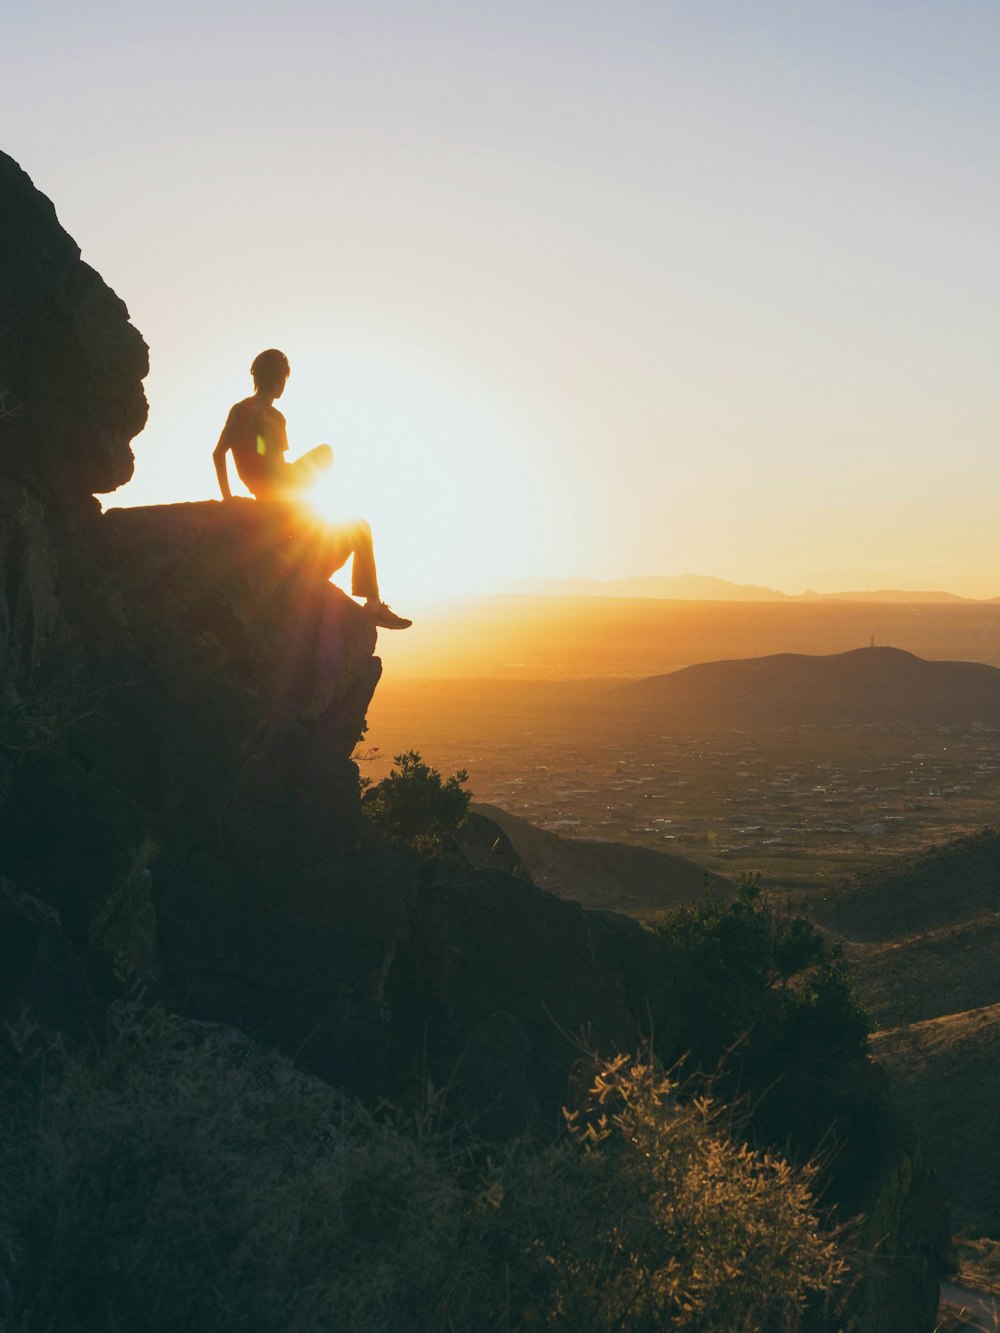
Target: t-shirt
(256, 434)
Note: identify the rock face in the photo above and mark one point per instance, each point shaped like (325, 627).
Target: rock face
(71, 364)
(180, 692)
(244, 589)
(184, 698)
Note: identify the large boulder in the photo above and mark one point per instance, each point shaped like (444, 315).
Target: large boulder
(71, 364)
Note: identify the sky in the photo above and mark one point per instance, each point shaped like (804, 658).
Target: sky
(573, 288)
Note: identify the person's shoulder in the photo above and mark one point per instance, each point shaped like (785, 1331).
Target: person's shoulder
(243, 416)
(243, 410)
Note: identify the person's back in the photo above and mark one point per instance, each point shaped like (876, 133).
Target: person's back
(256, 434)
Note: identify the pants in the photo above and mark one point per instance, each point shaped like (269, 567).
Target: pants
(290, 478)
(342, 540)
(302, 472)
(337, 542)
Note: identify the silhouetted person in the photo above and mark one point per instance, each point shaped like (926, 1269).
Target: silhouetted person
(255, 433)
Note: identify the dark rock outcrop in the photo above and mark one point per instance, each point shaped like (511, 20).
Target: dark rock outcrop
(180, 787)
(71, 364)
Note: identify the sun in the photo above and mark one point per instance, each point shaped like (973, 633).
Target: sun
(410, 559)
(440, 470)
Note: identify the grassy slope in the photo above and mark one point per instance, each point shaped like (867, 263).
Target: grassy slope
(947, 1074)
(940, 888)
(925, 953)
(942, 972)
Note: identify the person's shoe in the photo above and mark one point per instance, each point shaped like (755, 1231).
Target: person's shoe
(385, 617)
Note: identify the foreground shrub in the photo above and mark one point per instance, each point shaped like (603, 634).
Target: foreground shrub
(179, 1178)
(653, 1217)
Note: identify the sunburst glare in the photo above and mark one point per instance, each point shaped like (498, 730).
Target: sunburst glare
(438, 468)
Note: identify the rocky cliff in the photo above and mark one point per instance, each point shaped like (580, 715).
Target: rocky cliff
(181, 689)
(71, 364)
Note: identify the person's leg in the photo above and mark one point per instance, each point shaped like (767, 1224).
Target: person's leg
(337, 543)
(355, 539)
(364, 580)
(302, 473)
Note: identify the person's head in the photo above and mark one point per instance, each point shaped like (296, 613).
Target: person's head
(270, 370)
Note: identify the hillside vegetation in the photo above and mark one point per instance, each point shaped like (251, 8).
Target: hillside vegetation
(932, 974)
(942, 887)
(176, 1176)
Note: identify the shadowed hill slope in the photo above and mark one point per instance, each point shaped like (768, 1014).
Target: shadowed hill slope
(938, 889)
(613, 875)
(866, 685)
(947, 1072)
(926, 959)
(931, 974)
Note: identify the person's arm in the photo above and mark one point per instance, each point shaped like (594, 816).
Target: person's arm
(219, 457)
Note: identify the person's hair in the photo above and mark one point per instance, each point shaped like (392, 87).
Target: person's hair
(270, 367)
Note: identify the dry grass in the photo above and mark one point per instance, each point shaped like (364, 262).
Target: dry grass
(979, 1263)
(961, 1311)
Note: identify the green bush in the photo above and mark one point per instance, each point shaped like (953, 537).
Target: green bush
(414, 807)
(758, 998)
(742, 971)
(179, 1178)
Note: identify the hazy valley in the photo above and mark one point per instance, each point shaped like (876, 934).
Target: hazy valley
(802, 804)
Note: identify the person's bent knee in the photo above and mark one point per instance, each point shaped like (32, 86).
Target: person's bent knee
(357, 527)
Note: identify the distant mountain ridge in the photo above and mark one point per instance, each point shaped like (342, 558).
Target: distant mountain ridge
(863, 685)
(705, 588)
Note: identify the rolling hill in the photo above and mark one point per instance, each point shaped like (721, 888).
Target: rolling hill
(864, 685)
(923, 945)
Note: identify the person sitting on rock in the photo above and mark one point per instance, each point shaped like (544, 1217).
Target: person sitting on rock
(255, 433)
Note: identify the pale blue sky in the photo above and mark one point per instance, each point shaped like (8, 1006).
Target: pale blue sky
(589, 288)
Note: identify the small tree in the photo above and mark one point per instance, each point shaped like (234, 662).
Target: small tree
(414, 807)
(758, 997)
